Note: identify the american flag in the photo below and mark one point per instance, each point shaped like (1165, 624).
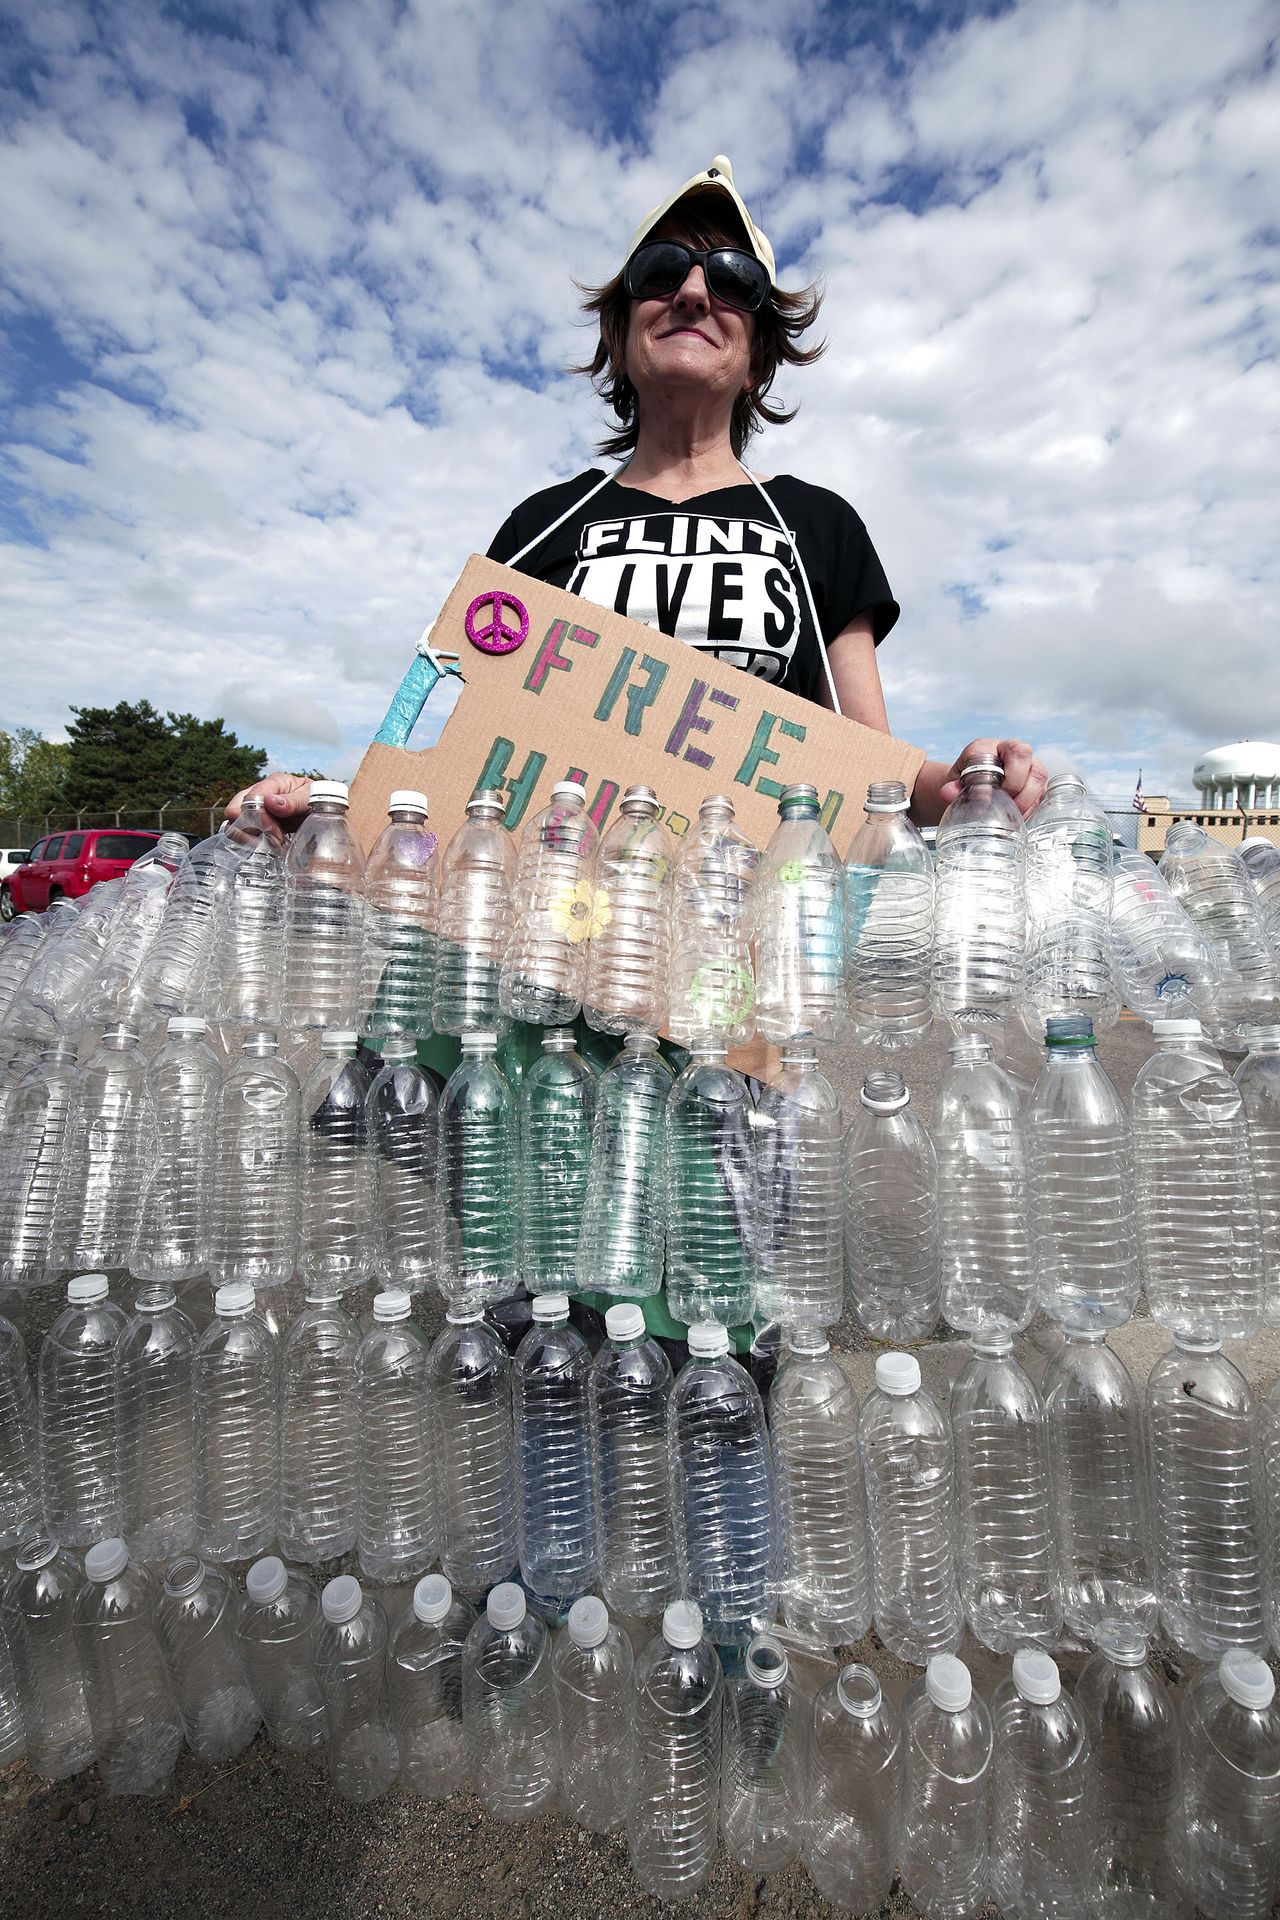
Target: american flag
(1138, 802)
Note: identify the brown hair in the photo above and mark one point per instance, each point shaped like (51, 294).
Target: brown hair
(775, 335)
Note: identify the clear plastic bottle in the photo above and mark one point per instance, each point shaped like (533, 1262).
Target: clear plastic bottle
(397, 1523)
(1083, 1204)
(1006, 1550)
(1043, 1797)
(544, 967)
(555, 1478)
(335, 1223)
(401, 906)
(247, 963)
(402, 1121)
(195, 1618)
(157, 1458)
(979, 915)
(36, 1620)
(1070, 866)
(722, 1492)
(799, 1231)
(19, 1450)
(1163, 962)
(235, 1394)
(276, 1632)
(592, 1667)
(137, 1729)
(628, 1390)
(351, 1666)
(800, 991)
(1258, 1078)
(78, 1416)
(620, 1247)
(424, 1680)
(675, 1799)
(1211, 882)
(557, 1114)
(852, 1793)
(254, 1214)
(629, 952)
(1229, 1832)
(946, 1762)
(20, 942)
(50, 998)
(135, 922)
(478, 1256)
(893, 1257)
(509, 1708)
(37, 1137)
(1137, 1758)
(888, 906)
(1205, 1448)
(907, 1462)
(1098, 1486)
(477, 879)
(111, 1151)
(825, 1560)
(764, 1759)
(324, 914)
(712, 984)
(13, 1730)
(984, 1220)
(176, 973)
(469, 1391)
(319, 1469)
(1261, 858)
(1269, 1424)
(711, 1192)
(184, 1081)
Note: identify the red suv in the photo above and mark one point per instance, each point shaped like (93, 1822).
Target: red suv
(67, 865)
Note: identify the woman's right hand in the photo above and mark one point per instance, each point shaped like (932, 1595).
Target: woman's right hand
(286, 796)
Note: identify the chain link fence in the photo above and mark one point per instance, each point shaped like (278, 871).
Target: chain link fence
(200, 821)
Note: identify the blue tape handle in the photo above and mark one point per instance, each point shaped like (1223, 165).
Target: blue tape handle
(411, 696)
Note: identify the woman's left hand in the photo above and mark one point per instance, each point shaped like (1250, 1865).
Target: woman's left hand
(1025, 779)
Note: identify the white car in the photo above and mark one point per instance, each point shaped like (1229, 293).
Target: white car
(10, 857)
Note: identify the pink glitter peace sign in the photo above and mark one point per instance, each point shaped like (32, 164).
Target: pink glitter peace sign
(497, 636)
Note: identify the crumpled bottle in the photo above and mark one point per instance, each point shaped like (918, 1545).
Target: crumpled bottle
(1070, 865)
(1209, 879)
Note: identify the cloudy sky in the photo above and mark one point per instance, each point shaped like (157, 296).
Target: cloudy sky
(287, 296)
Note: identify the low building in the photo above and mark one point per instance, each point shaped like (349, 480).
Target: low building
(1239, 798)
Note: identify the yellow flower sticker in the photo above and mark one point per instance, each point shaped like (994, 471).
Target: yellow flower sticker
(580, 911)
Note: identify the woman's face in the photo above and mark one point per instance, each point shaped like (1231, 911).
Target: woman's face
(685, 340)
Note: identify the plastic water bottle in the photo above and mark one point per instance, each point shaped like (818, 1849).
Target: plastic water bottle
(628, 1389)
(764, 1761)
(176, 975)
(351, 1658)
(555, 1486)
(235, 1394)
(1070, 867)
(19, 1452)
(195, 1625)
(799, 1233)
(907, 1462)
(1098, 1486)
(50, 1000)
(946, 1763)
(712, 984)
(1261, 860)
(852, 1793)
(247, 965)
(800, 992)
(1211, 882)
(629, 953)
(825, 1587)
(477, 879)
(136, 918)
(36, 1623)
(544, 967)
(335, 1231)
(31, 1171)
(1269, 1421)
(424, 1680)
(402, 1124)
(711, 1192)
(13, 1731)
(592, 1667)
(1137, 1757)
(20, 942)
(1164, 965)
(397, 1524)
(1083, 1206)
(893, 1258)
(318, 1424)
(324, 913)
(984, 1219)
(675, 1797)
(1205, 1447)
(137, 1730)
(888, 905)
(110, 1151)
(78, 1416)
(184, 1082)
(469, 1392)
(557, 1114)
(1258, 1078)
(1229, 1832)
(620, 1247)
(1043, 1800)
(979, 957)
(509, 1708)
(276, 1632)
(722, 1490)
(157, 1460)
(401, 906)
(1008, 1562)
(253, 1217)
(479, 1249)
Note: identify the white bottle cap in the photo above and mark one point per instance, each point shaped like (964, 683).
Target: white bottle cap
(187, 1023)
(682, 1624)
(948, 1683)
(708, 1340)
(550, 1308)
(568, 790)
(330, 790)
(897, 1373)
(105, 1560)
(588, 1621)
(433, 1596)
(506, 1606)
(394, 1304)
(345, 1037)
(266, 1580)
(766, 1661)
(341, 1599)
(1036, 1676)
(404, 797)
(624, 1322)
(236, 1297)
(1176, 1030)
(807, 1340)
(86, 1288)
(1246, 1678)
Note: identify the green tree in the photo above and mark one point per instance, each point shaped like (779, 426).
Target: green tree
(33, 773)
(131, 756)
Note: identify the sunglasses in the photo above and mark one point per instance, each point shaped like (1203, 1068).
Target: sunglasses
(734, 278)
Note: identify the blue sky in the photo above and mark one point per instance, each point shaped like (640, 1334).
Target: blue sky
(288, 291)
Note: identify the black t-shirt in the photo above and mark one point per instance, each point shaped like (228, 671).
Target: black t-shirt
(716, 571)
